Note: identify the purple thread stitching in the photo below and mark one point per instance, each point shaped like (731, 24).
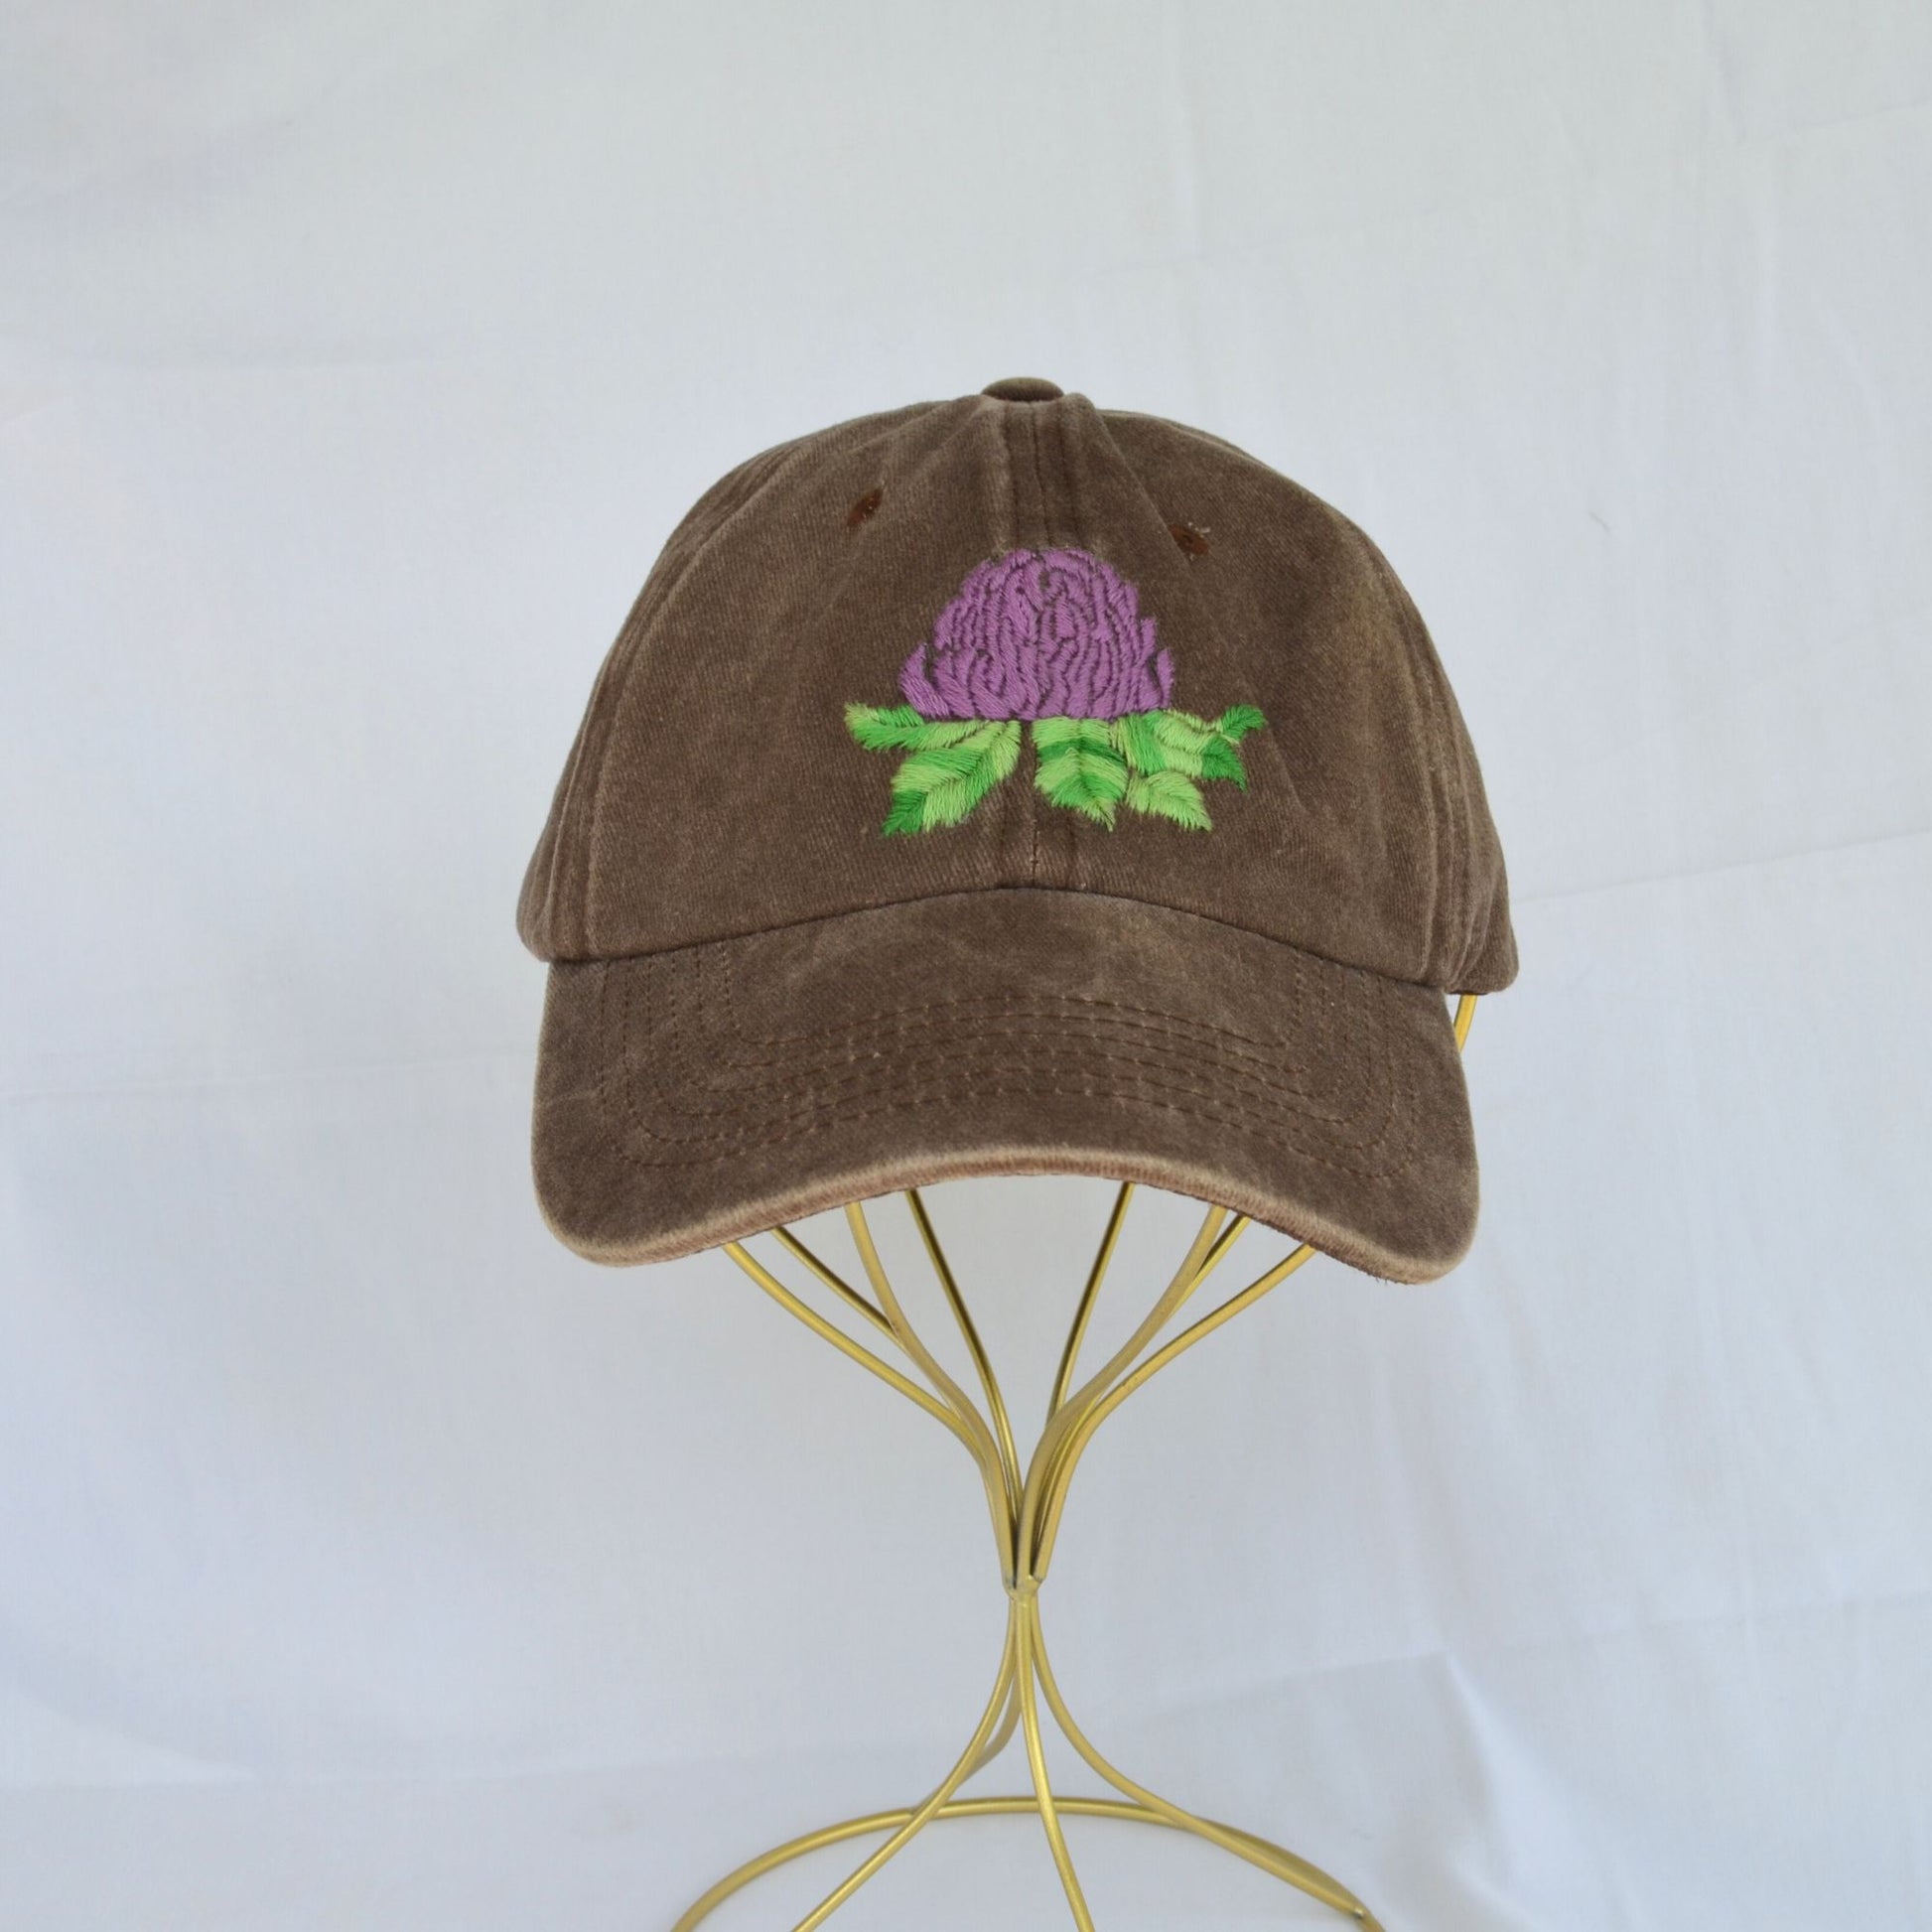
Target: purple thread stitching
(1040, 634)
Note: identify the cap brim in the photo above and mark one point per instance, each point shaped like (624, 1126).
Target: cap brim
(693, 1097)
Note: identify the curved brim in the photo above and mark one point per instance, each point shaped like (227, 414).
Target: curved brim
(694, 1097)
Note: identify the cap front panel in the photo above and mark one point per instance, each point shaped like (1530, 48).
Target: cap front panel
(997, 643)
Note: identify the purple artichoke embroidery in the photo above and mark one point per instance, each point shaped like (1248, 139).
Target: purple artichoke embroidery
(1055, 638)
(1040, 634)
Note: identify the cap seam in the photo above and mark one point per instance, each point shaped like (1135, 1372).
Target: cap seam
(975, 891)
(1040, 492)
(1444, 753)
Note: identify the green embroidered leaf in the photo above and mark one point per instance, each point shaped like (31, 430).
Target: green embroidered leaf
(1204, 750)
(940, 784)
(1148, 743)
(1168, 794)
(899, 728)
(1220, 758)
(1148, 760)
(906, 814)
(1181, 726)
(1054, 733)
(1080, 766)
(1180, 731)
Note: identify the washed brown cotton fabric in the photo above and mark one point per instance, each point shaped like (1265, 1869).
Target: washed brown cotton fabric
(763, 1003)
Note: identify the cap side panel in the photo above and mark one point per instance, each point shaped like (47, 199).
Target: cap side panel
(553, 912)
(1327, 846)
(734, 793)
(1430, 854)
(1184, 432)
(1484, 960)
(1392, 861)
(1472, 938)
(747, 484)
(554, 915)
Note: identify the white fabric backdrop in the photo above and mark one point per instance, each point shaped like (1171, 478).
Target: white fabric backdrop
(368, 1562)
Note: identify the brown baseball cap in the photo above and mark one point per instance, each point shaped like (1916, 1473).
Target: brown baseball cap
(1010, 785)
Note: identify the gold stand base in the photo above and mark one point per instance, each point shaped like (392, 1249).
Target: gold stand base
(1025, 1505)
(1012, 1701)
(883, 1821)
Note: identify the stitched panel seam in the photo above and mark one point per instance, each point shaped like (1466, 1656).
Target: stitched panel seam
(1077, 895)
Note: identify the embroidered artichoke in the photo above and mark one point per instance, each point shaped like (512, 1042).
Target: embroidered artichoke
(1055, 638)
(1040, 634)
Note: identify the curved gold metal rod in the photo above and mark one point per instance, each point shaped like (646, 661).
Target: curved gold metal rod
(1219, 1231)
(989, 1382)
(1218, 1253)
(1070, 1426)
(844, 1343)
(930, 1404)
(907, 1336)
(836, 1282)
(1018, 1804)
(1150, 1809)
(1068, 1414)
(1109, 1240)
(1272, 1858)
(1059, 1475)
(923, 1815)
(1210, 1249)
(1053, 1504)
(1009, 1723)
(979, 1436)
(1029, 1622)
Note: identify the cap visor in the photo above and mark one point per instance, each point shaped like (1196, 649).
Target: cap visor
(693, 1097)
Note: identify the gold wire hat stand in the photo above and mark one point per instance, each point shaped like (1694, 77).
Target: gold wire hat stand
(1026, 1507)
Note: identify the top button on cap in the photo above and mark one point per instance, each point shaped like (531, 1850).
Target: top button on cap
(1023, 388)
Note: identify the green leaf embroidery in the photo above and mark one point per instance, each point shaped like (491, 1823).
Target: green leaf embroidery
(1181, 731)
(1149, 761)
(1178, 741)
(1220, 758)
(941, 783)
(1168, 794)
(1080, 766)
(899, 728)
(1055, 734)
(1148, 743)
(1237, 720)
